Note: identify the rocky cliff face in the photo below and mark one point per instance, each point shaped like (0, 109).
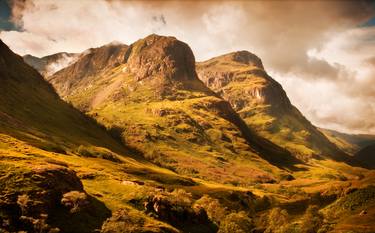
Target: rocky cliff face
(240, 79)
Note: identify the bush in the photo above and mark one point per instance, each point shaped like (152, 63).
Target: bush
(180, 197)
(96, 152)
(74, 200)
(214, 209)
(278, 220)
(123, 221)
(312, 220)
(23, 202)
(236, 223)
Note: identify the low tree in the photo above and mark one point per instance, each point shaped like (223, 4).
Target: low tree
(215, 211)
(312, 220)
(236, 223)
(278, 220)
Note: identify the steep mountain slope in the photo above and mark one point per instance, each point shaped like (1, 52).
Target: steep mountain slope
(240, 79)
(153, 99)
(366, 156)
(350, 143)
(31, 110)
(48, 65)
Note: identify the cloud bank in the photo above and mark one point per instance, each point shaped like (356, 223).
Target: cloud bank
(317, 50)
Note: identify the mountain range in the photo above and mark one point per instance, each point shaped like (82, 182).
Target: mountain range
(142, 138)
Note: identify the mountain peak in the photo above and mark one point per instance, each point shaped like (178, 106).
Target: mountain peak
(161, 56)
(243, 57)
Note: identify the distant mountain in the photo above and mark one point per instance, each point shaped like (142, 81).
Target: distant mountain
(89, 63)
(50, 64)
(150, 95)
(350, 143)
(240, 78)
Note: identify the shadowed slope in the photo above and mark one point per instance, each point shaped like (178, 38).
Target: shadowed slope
(366, 156)
(31, 110)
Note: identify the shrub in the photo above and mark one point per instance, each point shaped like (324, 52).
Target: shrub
(236, 223)
(214, 209)
(74, 200)
(181, 197)
(123, 221)
(23, 201)
(52, 148)
(278, 220)
(312, 220)
(96, 152)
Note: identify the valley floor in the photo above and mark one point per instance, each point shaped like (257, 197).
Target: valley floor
(133, 195)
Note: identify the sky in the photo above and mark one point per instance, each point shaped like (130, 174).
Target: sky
(322, 52)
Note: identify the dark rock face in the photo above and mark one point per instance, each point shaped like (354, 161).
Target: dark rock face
(30, 200)
(177, 215)
(44, 198)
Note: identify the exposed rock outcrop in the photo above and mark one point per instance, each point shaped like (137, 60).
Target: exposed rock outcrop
(31, 200)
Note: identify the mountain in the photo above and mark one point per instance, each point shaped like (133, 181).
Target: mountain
(48, 65)
(62, 171)
(240, 78)
(350, 143)
(150, 95)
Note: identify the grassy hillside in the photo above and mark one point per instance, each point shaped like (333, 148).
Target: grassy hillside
(156, 104)
(240, 78)
(31, 110)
